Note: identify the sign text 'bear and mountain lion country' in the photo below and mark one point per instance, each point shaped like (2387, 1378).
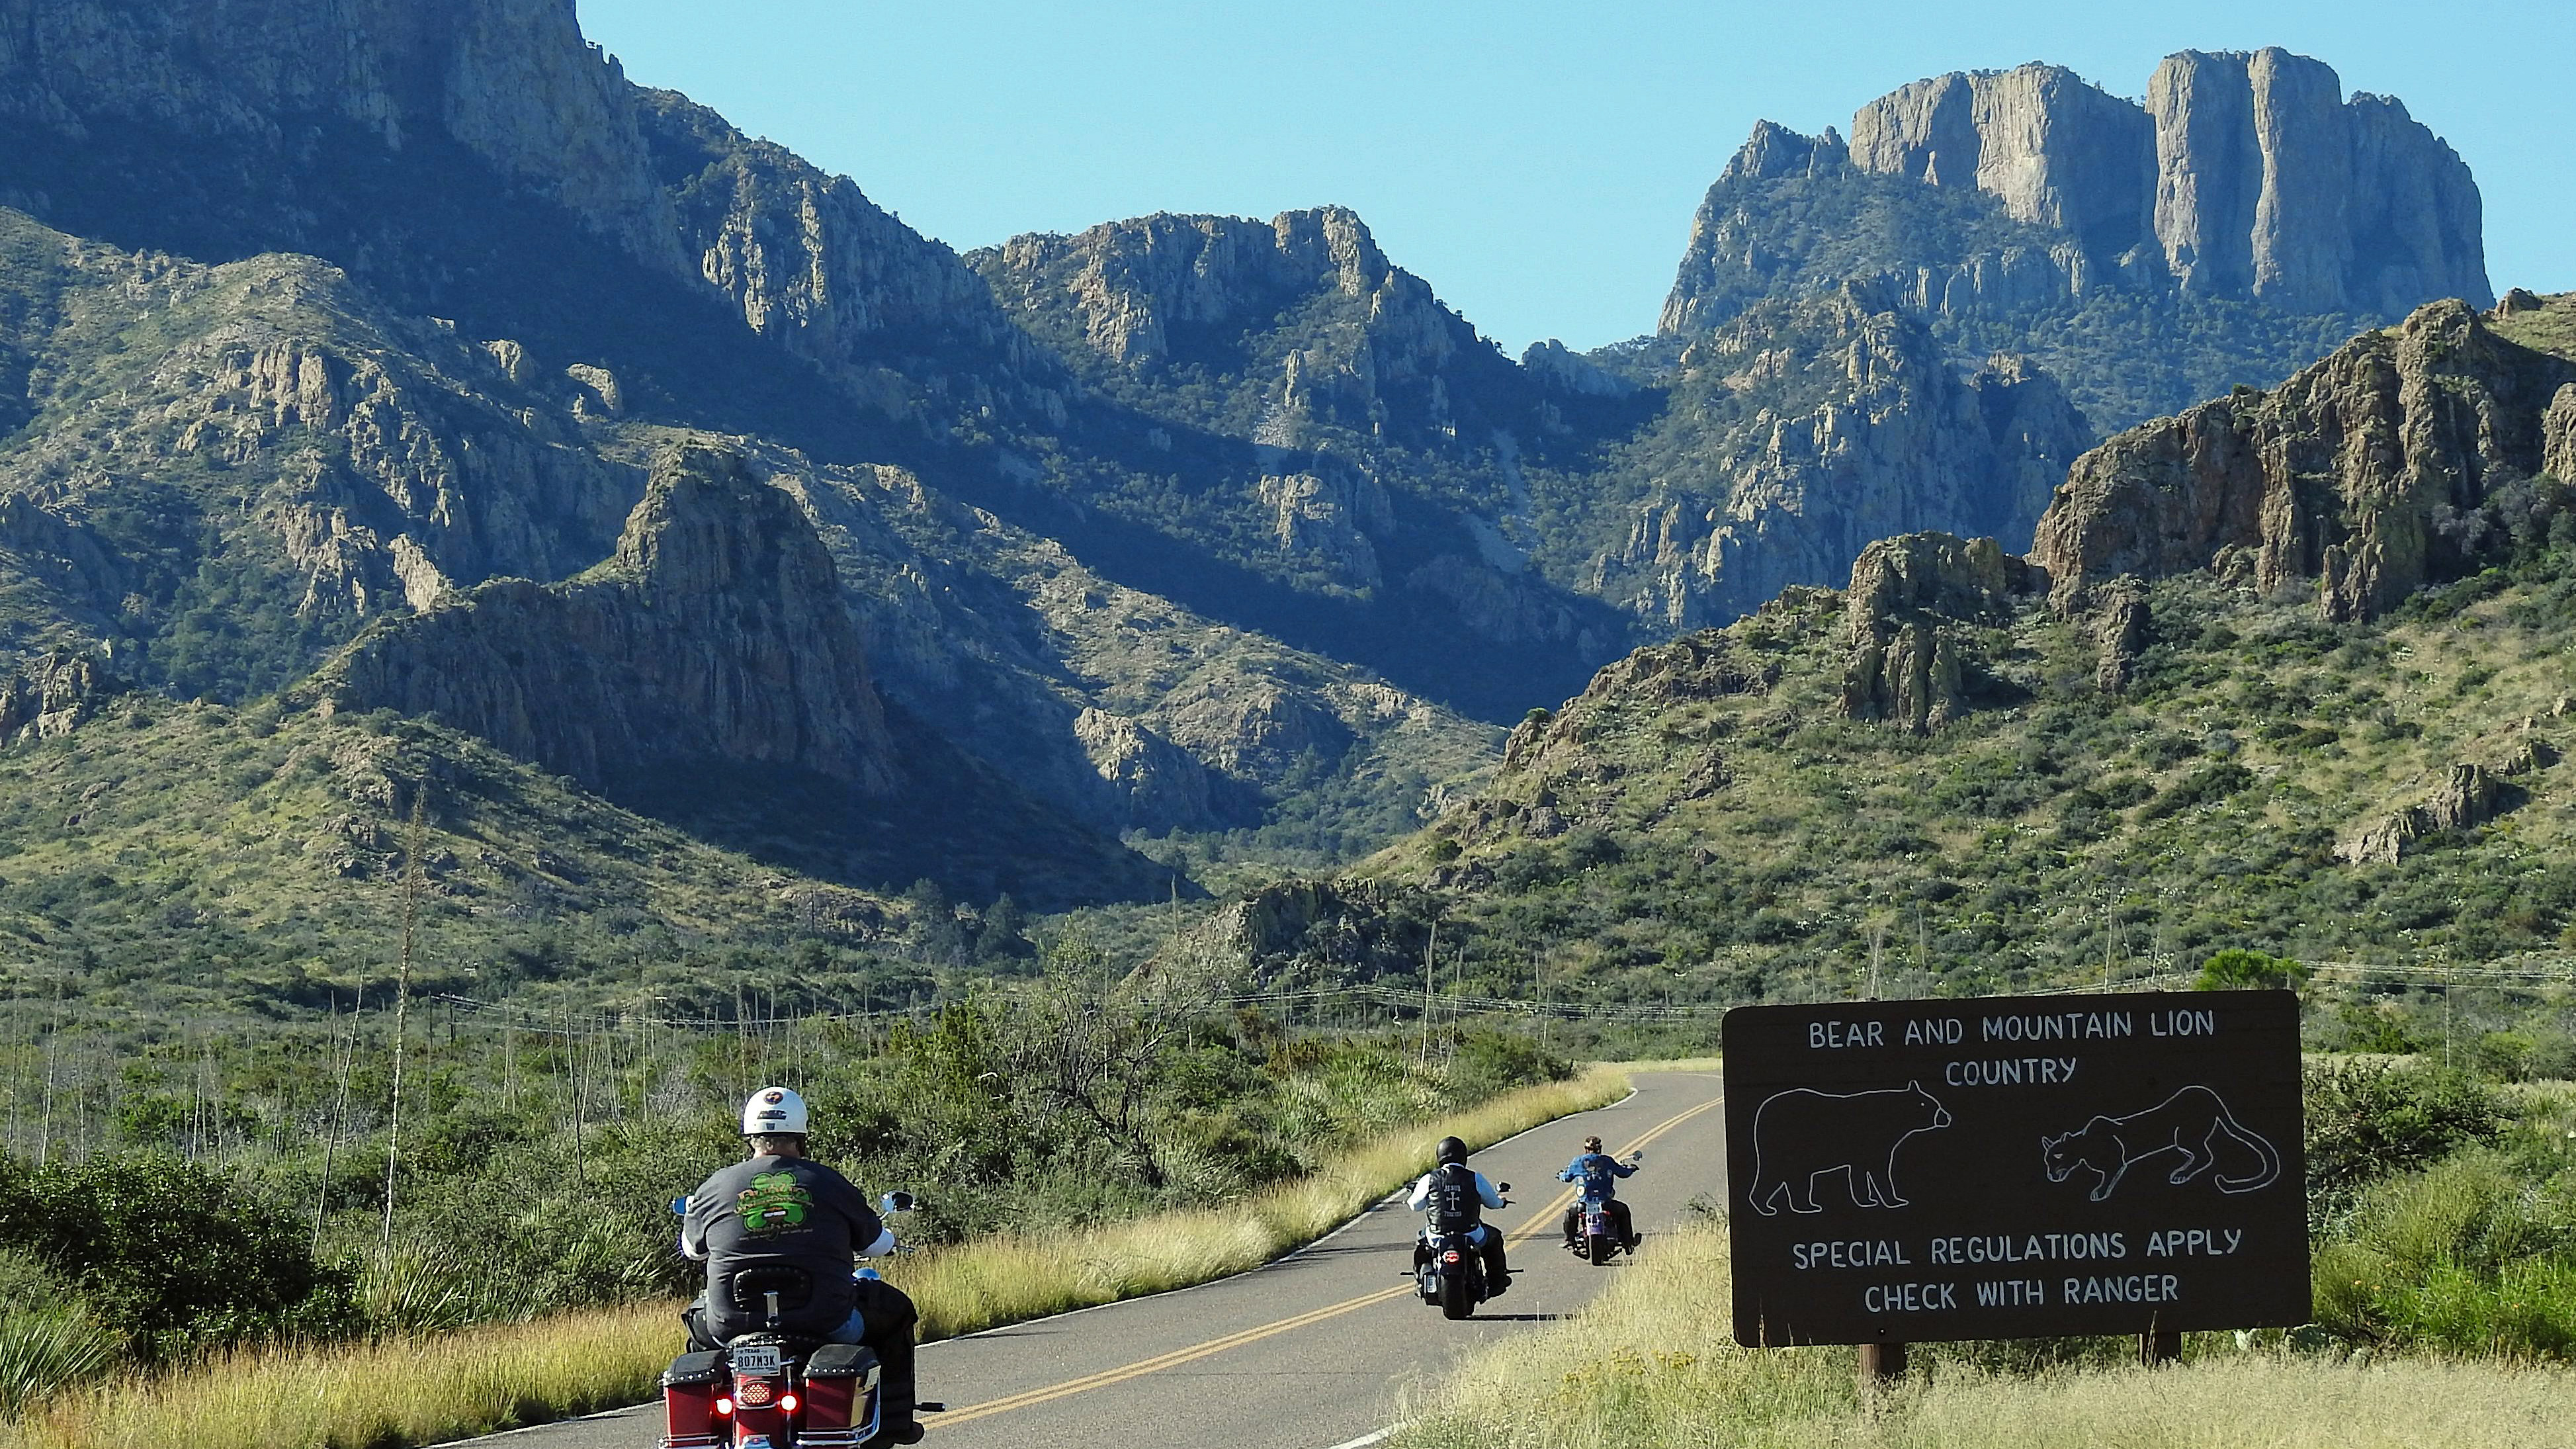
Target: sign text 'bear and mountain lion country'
(2016, 1167)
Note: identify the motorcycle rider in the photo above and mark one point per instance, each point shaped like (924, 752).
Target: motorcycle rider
(1456, 1196)
(782, 1209)
(1598, 1172)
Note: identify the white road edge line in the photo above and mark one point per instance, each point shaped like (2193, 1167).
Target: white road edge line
(1365, 1440)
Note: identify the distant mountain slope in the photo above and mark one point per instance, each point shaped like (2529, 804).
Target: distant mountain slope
(1986, 784)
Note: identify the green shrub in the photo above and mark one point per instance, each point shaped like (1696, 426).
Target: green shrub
(2236, 969)
(1490, 1063)
(2467, 1256)
(2369, 1120)
(174, 1257)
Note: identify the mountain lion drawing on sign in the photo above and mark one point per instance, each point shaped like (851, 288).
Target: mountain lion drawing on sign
(2190, 1122)
(1801, 1135)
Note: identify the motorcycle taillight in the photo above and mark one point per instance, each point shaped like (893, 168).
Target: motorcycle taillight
(1450, 1257)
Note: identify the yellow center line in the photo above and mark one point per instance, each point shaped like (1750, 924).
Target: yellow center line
(1174, 1359)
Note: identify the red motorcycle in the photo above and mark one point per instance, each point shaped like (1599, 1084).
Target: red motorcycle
(770, 1391)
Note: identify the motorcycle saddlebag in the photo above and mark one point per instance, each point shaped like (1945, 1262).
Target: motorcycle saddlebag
(689, 1401)
(841, 1400)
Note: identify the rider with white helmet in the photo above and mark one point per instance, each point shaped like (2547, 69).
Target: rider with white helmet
(781, 1226)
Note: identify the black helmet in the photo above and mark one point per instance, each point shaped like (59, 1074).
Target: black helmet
(1591, 1144)
(1450, 1150)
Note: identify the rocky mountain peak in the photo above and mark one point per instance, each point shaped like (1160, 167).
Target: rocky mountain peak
(2243, 176)
(1141, 283)
(716, 633)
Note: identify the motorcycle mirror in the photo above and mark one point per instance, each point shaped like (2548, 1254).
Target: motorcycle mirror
(895, 1202)
(1502, 1187)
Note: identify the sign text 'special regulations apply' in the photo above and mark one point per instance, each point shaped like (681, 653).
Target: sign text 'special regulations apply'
(2015, 1167)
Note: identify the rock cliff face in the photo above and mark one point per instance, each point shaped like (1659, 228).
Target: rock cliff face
(511, 80)
(48, 696)
(803, 255)
(716, 633)
(2270, 184)
(2057, 151)
(2394, 463)
(1818, 432)
(2250, 175)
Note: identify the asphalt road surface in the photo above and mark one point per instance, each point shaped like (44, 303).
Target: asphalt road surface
(1315, 1351)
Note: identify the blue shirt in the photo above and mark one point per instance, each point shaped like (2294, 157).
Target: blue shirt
(1596, 1171)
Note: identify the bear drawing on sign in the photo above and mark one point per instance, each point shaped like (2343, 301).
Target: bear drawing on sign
(1801, 1135)
(2190, 1122)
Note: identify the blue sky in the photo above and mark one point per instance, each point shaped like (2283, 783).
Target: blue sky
(1538, 164)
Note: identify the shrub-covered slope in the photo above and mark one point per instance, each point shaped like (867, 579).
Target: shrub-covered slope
(1947, 771)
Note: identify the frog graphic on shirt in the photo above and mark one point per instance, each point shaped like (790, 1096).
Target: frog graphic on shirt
(774, 1203)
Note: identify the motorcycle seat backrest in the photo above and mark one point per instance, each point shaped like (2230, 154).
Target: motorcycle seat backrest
(750, 1288)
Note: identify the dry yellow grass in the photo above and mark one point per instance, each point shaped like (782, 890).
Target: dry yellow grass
(1651, 1365)
(399, 1391)
(423, 1390)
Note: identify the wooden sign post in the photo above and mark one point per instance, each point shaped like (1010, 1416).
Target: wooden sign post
(2015, 1167)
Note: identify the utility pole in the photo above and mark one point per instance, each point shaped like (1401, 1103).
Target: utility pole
(402, 1007)
(1430, 956)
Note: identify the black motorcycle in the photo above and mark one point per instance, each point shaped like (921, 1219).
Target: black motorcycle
(1448, 1269)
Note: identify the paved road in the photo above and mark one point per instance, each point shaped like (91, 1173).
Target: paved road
(1311, 1352)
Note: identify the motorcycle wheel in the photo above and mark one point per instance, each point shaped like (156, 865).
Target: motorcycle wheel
(1454, 1302)
(1598, 1248)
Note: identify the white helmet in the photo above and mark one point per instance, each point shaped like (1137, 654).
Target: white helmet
(773, 1112)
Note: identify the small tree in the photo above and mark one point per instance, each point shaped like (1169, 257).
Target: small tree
(2237, 969)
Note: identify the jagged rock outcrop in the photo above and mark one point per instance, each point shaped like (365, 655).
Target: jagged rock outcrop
(1868, 432)
(2120, 632)
(808, 260)
(2469, 796)
(1554, 364)
(1908, 613)
(1155, 783)
(1163, 285)
(716, 633)
(2370, 472)
(1352, 929)
(48, 696)
(1209, 290)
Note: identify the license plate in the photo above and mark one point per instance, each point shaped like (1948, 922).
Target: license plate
(759, 1360)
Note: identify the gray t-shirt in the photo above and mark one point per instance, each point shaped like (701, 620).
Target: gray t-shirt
(784, 1212)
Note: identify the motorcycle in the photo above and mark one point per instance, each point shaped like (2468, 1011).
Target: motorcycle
(1449, 1271)
(1596, 1231)
(1593, 1231)
(771, 1390)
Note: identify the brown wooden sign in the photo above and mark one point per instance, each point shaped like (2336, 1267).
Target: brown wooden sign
(2015, 1167)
